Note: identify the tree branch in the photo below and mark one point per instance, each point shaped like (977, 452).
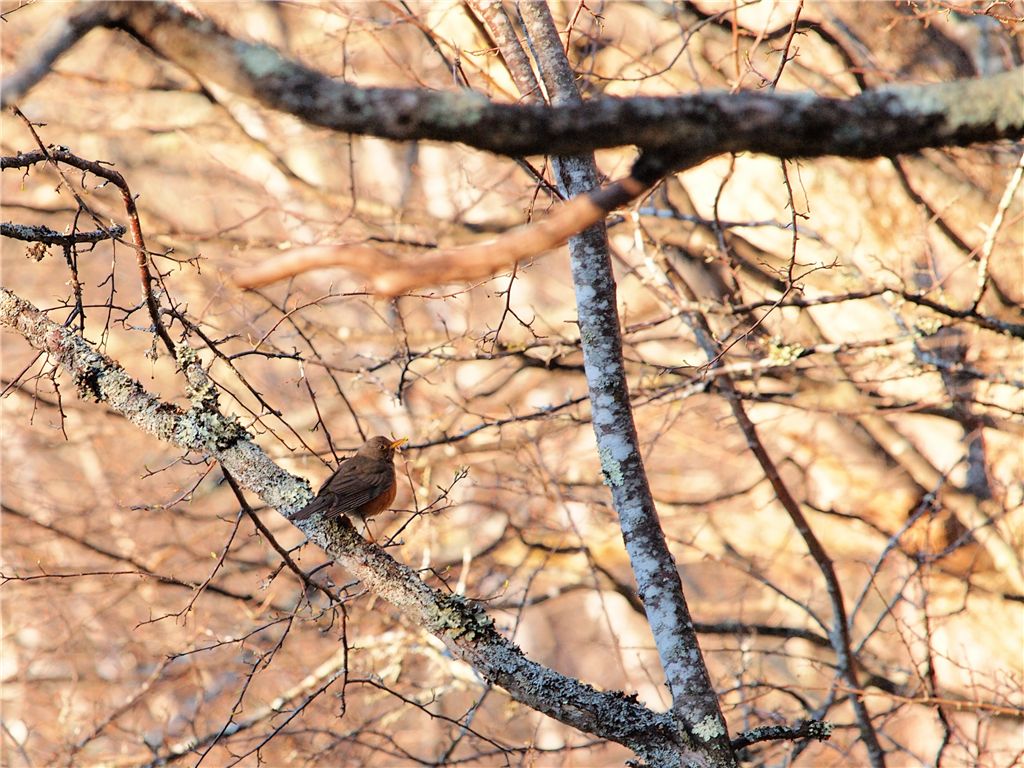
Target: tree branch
(55, 155)
(390, 274)
(460, 623)
(37, 233)
(694, 701)
(682, 130)
(839, 633)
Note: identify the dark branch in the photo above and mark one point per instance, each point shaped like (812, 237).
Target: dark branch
(37, 233)
(680, 130)
(805, 729)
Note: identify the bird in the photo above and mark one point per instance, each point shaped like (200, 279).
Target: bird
(362, 486)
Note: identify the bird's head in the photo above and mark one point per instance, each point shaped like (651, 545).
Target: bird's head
(381, 448)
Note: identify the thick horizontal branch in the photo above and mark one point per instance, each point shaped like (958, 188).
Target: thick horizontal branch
(684, 129)
(460, 623)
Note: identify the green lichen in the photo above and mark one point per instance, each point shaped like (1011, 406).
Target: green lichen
(87, 382)
(205, 431)
(462, 108)
(296, 497)
(459, 617)
(198, 386)
(780, 354)
(820, 730)
(260, 60)
(203, 426)
(709, 728)
(927, 326)
(611, 470)
(997, 100)
(163, 421)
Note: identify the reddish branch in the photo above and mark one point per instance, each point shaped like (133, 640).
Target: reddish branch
(389, 274)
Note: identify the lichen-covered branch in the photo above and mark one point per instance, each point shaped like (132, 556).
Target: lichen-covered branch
(102, 380)
(694, 700)
(460, 623)
(680, 130)
(36, 233)
(806, 729)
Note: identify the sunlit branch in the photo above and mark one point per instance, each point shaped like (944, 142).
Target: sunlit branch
(462, 624)
(694, 701)
(682, 130)
(390, 274)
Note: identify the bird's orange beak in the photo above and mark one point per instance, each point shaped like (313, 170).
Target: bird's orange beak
(396, 444)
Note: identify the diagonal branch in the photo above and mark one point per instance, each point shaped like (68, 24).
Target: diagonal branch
(839, 634)
(461, 624)
(58, 39)
(389, 274)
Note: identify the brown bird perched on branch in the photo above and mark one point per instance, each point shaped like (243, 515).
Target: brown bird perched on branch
(362, 486)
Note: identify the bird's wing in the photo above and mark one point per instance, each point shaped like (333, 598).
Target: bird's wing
(318, 504)
(357, 481)
(331, 476)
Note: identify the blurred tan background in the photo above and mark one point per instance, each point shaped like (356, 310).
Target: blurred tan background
(872, 407)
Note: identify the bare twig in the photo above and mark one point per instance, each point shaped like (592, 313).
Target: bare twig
(55, 155)
(269, 536)
(993, 230)
(839, 633)
(461, 624)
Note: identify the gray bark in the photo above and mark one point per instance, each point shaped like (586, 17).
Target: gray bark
(460, 623)
(679, 131)
(694, 700)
